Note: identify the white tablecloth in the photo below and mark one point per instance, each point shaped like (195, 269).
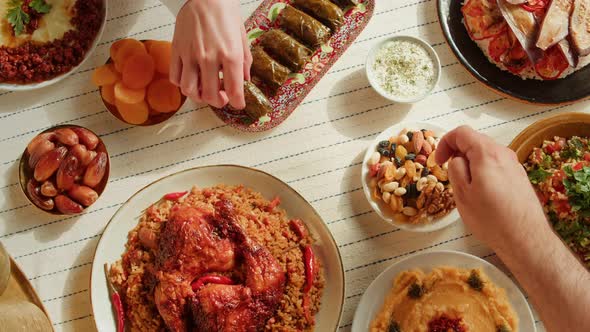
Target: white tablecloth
(318, 151)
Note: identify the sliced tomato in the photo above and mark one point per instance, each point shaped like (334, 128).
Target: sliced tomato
(557, 181)
(552, 64)
(483, 19)
(499, 46)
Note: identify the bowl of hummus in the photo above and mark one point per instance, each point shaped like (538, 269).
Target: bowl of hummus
(43, 41)
(443, 291)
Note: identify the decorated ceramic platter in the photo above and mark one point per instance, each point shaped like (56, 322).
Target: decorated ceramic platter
(328, 33)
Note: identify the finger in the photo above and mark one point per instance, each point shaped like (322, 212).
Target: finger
(175, 69)
(462, 140)
(211, 92)
(233, 81)
(189, 82)
(247, 55)
(459, 174)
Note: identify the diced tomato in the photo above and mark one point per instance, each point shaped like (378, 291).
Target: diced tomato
(499, 46)
(552, 64)
(550, 148)
(562, 206)
(557, 181)
(578, 166)
(483, 19)
(542, 198)
(537, 156)
(587, 156)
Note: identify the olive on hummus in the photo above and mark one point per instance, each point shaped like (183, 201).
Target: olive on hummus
(447, 299)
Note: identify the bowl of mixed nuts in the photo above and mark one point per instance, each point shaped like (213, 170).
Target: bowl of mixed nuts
(64, 169)
(402, 181)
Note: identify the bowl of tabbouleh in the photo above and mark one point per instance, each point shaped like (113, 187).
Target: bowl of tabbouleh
(403, 69)
(555, 153)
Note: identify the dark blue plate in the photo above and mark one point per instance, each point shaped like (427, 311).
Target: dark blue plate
(566, 90)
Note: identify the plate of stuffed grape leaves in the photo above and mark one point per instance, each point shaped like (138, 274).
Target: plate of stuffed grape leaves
(293, 44)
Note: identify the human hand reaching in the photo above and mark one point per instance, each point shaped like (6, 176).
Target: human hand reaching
(209, 37)
(491, 189)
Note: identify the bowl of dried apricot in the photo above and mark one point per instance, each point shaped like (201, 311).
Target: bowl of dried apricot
(64, 169)
(135, 85)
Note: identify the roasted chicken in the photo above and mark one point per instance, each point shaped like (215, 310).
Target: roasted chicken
(555, 24)
(240, 308)
(188, 247)
(580, 27)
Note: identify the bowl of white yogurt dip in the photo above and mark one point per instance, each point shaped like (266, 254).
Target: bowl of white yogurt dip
(403, 69)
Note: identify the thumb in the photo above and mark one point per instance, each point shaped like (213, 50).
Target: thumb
(459, 175)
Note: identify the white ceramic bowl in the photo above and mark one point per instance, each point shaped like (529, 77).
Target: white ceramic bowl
(375, 294)
(383, 209)
(113, 240)
(375, 83)
(39, 85)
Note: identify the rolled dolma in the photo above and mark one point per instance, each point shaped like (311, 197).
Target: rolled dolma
(323, 10)
(303, 27)
(345, 3)
(272, 73)
(257, 104)
(285, 49)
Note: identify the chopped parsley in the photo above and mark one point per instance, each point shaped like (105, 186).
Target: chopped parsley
(577, 185)
(538, 175)
(19, 19)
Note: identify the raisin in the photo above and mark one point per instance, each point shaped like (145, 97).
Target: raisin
(394, 327)
(415, 291)
(475, 281)
(384, 144)
(410, 134)
(410, 156)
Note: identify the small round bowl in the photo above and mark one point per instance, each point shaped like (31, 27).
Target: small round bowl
(40, 85)
(373, 80)
(26, 173)
(383, 209)
(154, 117)
(563, 125)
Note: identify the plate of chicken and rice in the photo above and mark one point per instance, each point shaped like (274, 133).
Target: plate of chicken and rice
(217, 248)
(535, 51)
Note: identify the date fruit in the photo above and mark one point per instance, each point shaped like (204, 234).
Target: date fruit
(86, 137)
(49, 163)
(66, 136)
(38, 151)
(68, 170)
(48, 189)
(83, 155)
(66, 205)
(33, 193)
(83, 195)
(96, 170)
(39, 138)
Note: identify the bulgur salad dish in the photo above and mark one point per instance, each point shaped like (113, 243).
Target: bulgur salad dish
(560, 173)
(221, 258)
(404, 177)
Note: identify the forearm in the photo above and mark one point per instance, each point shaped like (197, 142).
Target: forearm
(557, 284)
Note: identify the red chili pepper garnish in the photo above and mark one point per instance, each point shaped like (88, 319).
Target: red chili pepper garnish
(175, 196)
(116, 302)
(298, 227)
(211, 279)
(310, 272)
(273, 204)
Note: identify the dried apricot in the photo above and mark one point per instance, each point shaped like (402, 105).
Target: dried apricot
(133, 113)
(161, 51)
(126, 50)
(108, 93)
(148, 44)
(105, 75)
(139, 71)
(163, 96)
(128, 95)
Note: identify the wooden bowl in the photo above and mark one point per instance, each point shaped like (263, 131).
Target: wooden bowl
(26, 173)
(154, 117)
(564, 125)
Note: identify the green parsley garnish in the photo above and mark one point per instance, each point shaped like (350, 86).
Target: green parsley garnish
(577, 187)
(538, 175)
(18, 18)
(40, 6)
